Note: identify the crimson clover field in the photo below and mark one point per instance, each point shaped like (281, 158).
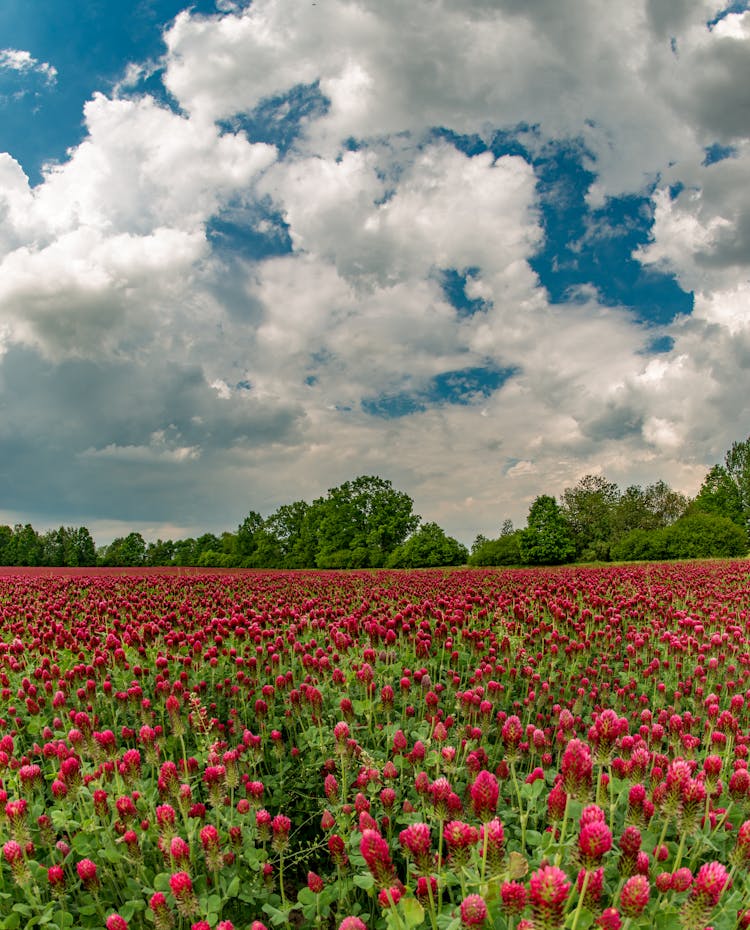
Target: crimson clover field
(445, 749)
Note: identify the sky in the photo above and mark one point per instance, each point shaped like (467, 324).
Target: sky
(480, 248)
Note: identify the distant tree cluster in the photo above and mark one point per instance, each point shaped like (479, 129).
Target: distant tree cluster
(596, 521)
(366, 523)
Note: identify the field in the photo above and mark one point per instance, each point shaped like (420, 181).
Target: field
(516, 749)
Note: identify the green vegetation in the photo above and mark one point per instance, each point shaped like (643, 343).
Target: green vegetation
(366, 523)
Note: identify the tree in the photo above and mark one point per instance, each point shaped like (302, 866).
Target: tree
(125, 550)
(429, 547)
(6, 541)
(286, 527)
(546, 539)
(360, 523)
(650, 508)
(502, 551)
(588, 509)
(704, 536)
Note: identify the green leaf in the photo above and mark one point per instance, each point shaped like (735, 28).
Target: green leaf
(12, 921)
(533, 838)
(412, 911)
(234, 887)
(161, 882)
(365, 881)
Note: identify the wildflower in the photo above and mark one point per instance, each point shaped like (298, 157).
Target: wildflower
(337, 849)
(594, 841)
(609, 919)
(352, 923)
(548, 893)
(513, 897)
(415, 839)
(181, 887)
(209, 837)
(280, 827)
(494, 843)
(389, 897)
(426, 889)
(484, 795)
(577, 770)
(682, 879)
(375, 852)
(556, 802)
(13, 855)
(115, 922)
(712, 879)
(56, 879)
(740, 855)
(473, 911)
(314, 882)
(88, 874)
(634, 895)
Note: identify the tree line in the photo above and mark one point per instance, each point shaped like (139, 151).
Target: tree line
(366, 523)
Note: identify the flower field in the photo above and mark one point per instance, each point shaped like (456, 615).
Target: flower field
(517, 749)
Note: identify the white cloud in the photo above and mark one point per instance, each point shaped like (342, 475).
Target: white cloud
(21, 61)
(247, 376)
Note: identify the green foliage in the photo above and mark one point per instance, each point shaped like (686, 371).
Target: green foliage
(360, 523)
(125, 550)
(428, 547)
(546, 540)
(588, 509)
(705, 535)
(503, 551)
(694, 536)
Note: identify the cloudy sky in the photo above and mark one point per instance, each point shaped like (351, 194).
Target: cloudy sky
(479, 247)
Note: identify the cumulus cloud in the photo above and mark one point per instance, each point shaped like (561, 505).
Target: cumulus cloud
(184, 306)
(22, 62)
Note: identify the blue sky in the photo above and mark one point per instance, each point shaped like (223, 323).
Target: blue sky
(251, 250)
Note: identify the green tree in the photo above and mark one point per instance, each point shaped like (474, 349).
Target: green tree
(589, 508)
(650, 508)
(160, 552)
(125, 551)
(286, 526)
(6, 541)
(546, 539)
(705, 535)
(361, 522)
(427, 548)
(27, 545)
(502, 551)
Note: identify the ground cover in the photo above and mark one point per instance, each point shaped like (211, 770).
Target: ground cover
(536, 748)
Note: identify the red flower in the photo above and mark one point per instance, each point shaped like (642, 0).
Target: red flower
(634, 895)
(548, 892)
(115, 922)
(485, 792)
(87, 873)
(473, 910)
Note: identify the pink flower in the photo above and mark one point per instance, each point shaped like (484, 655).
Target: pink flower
(485, 792)
(377, 855)
(609, 919)
(473, 910)
(87, 873)
(352, 923)
(513, 897)
(634, 895)
(115, 922)
(314, 882)
(594, 841)
(416, 840)
(548, 892)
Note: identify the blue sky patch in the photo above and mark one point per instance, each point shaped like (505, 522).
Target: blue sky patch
(253, 232)
(279, 120)
(453, 282)
(89, 44)
(463, 386)
(585, 248)
(717, 152)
